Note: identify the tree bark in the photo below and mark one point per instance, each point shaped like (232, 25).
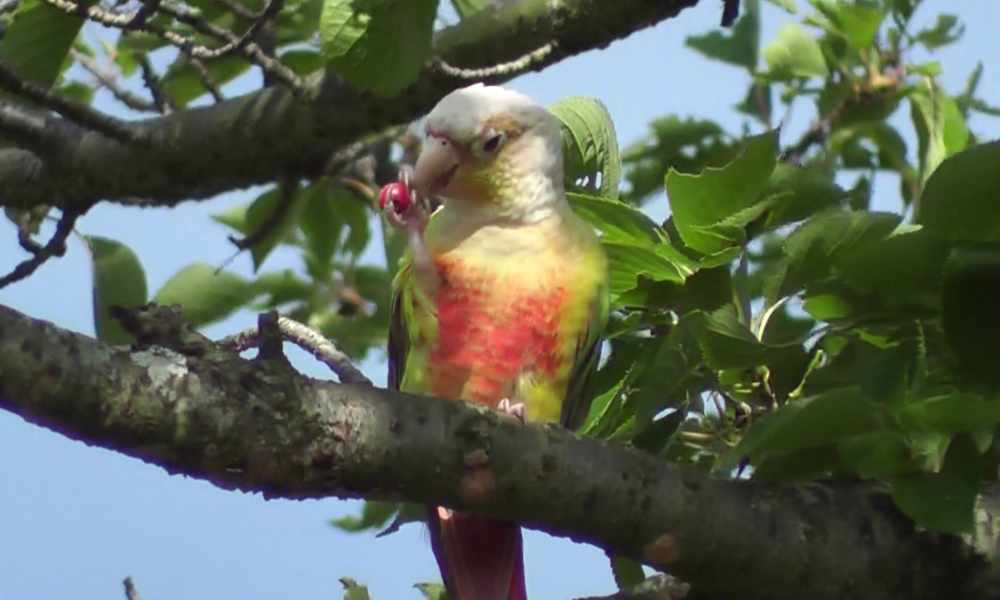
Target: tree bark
(180, 401)
(264, 135)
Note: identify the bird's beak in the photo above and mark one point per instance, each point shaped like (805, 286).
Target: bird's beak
(435, 167)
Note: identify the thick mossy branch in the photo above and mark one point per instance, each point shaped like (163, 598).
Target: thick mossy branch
(180, 401)
(256, 138)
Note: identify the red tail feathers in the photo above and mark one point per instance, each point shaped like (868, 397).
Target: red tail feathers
(480, 559)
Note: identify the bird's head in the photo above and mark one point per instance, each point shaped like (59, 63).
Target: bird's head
(486, 145)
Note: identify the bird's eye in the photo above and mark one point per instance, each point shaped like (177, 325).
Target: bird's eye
(493, 143)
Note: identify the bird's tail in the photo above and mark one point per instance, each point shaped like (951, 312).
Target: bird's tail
(480, 559)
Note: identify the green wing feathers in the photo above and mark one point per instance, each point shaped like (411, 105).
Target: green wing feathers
(401, 315)
(579, 391)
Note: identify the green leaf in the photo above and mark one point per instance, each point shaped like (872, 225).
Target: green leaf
(606, 404)
(626, 262)
(465, 8)
(726, 342)
(628, 573)
(802, 465)
(204, 295)
(969, 313)
(905, 270)
(119, 280)
(235, 218)
(757, 103)
(590, 146)
(374, 515)
(283, 287)
(616, 220)
(184, 84)
(302, 62)
(76, 90)
(955, 413)
(941, 130)
(799, 193)
(796, 53)
(944, 501)
(883, 373)
(959, 201)
(812, 250)
(298, 22)
(667, 369)
(268, 210)
(786, 5)
(377, 46)
(221, 15)
(874, 455)
(654, 437)
(432, 591)
(859, 23)
(702, 204)
(408, 513)
(321, 220)
(358, 218)
(354, 590)
(739, 46)
(946, 30)
(808, 423)
(38, 40)
(930, 68)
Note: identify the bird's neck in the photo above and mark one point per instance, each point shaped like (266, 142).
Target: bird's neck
(522, 200)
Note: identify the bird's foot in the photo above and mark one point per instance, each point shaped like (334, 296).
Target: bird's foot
(515, 410)
(405, 209)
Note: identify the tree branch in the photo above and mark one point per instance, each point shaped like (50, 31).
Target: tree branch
(180, 401)
(255, 138)
(56, 246)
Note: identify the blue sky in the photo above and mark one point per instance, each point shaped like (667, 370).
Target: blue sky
(75, 520)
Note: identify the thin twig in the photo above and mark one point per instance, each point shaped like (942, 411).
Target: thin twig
(206, 79)
(56, 246)
(79, 113)
(730, 12)
(148, 9)
(237, 44)
(309, 340)
(154, 84)
(814, 135)
(343, 158)
(108, 80)
(524, 63)
(130, 592)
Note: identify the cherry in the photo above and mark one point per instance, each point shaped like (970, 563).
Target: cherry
(397, 194)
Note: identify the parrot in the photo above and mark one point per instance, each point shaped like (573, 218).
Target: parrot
(501, 297)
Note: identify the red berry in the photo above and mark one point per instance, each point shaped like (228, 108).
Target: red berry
(397, 194)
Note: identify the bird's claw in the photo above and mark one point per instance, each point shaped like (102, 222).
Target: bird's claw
(403, 207)
(515, 410)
